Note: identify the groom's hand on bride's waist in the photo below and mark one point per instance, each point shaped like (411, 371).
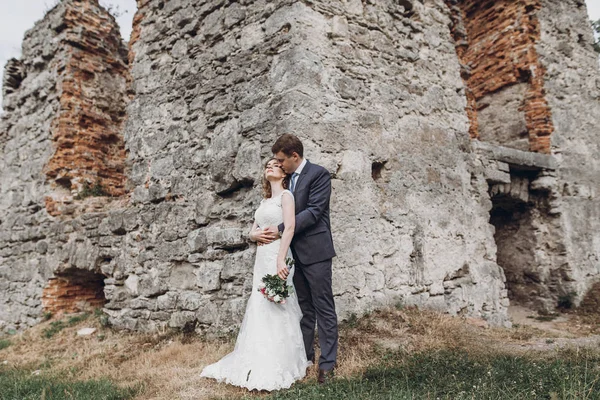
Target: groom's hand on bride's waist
(267, 235)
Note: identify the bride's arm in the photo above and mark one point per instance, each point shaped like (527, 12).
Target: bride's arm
(253, 232)
(289, 220)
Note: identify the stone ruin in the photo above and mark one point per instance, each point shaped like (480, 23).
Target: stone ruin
(461, 137)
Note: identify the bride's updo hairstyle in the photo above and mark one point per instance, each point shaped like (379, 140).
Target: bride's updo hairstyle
(267, 186)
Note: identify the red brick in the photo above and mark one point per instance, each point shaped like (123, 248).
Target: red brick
(62, 295)
(501, 37)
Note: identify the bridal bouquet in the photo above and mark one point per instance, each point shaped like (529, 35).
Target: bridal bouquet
(274, 288)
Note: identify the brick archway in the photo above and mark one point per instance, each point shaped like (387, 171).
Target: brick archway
(74, 291)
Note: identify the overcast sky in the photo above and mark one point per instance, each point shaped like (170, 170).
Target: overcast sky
(16, 16)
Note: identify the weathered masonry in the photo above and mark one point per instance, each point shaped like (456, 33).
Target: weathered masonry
(460, 136)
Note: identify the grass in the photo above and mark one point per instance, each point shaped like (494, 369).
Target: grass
(459, 375)
(398, 352)
(4, 343)
(163, 364)
(59, 325)
(22, 385)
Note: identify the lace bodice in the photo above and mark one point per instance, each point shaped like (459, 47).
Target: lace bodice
(270, 212)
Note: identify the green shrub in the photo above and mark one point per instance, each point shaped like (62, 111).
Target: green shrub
(4, 343)
(57, 326)
(96, 190)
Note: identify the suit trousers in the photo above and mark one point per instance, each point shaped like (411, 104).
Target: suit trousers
(315, 297)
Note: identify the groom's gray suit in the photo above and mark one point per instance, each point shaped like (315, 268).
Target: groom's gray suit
(312, 247)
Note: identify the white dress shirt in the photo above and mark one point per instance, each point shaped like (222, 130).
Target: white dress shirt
(298, 171)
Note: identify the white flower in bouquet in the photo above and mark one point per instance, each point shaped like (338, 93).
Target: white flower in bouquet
(274, 289)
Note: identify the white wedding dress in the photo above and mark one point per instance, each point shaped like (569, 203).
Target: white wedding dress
(269, 351)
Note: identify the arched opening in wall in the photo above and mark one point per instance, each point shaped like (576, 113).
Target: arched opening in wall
(74, 291)
(529, 248)
(511, 215)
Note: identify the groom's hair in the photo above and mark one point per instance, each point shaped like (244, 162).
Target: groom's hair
(288, 143)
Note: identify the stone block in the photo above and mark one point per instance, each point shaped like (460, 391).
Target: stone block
(180, 318)
(197, 240)
(339, 26)
(189, 300)
(167, 301)
(208, 275)
(182, 277)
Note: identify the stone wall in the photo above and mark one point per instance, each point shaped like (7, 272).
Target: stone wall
(373, 89)
(64, 102)
(363, 86)
(31, 102)
(515, 56)
(572, 87)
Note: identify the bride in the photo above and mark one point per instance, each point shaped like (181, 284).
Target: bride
(269, 350)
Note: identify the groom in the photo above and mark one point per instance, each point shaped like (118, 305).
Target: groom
(312, 247)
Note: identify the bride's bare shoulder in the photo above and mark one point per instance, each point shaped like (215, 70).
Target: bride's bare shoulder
(291, 195)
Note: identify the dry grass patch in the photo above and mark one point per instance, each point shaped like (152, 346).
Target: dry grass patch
(585, 320)
(167, 365)
(164, 366)
(364, 340)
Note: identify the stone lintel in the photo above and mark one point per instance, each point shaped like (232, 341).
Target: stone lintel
(518, 159)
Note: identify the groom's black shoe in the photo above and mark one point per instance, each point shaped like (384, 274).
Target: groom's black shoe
(325, 376)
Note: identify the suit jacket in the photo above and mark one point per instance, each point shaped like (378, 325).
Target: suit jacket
(312, 241)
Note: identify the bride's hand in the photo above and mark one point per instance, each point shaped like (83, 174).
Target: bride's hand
(282, 269)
